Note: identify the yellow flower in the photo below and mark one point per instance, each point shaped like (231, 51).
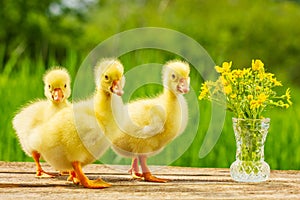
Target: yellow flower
(262, 97)
(247, 72)
(248, 91)
(269, 76)
(254, 104)
(261, 76)
(238, 73)
(204, 91)
(259, 102)
(224, 81)
(225, 67)
(233, 96)
(250, 97)
(257, 65)
(228, 89)
(219, 69)
(288, 96)
(275, 82)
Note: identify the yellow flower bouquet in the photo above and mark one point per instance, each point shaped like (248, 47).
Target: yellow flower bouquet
(247, 92)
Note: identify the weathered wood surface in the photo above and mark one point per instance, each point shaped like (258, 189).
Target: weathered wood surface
(17, 181)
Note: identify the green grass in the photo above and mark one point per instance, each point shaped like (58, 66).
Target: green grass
(281, 150)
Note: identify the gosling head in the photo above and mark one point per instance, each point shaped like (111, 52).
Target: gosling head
(57, 83)
(109, 76)
(176, 76)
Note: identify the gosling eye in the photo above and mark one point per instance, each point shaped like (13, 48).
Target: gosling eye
(106, 77)
(173, 76)
(49, 86)
(65, 85)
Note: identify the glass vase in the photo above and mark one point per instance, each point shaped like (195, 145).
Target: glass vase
(250, 135)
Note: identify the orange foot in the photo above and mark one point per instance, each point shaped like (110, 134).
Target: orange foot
(96, 184)
(134, 174)
(150, 178)
(85, 181)
(42, 174)
(72, 177)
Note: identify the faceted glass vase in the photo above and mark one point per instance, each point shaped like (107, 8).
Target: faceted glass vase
(250, 136)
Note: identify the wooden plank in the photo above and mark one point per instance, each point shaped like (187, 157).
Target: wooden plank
(17, 181)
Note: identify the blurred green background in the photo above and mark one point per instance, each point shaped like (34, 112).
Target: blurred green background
(36, 35)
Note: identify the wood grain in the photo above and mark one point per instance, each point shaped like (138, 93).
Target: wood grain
(17, 181)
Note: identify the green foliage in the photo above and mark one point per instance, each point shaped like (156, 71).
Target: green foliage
(31, 27)
(228, 30)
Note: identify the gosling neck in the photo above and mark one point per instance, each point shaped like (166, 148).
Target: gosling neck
(104, 95)
(170, 94)
(60, 104)
(102, 100)
(170, 100)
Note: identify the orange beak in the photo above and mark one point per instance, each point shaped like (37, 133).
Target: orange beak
(183, 85)
(57, 95)
(117, 88)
